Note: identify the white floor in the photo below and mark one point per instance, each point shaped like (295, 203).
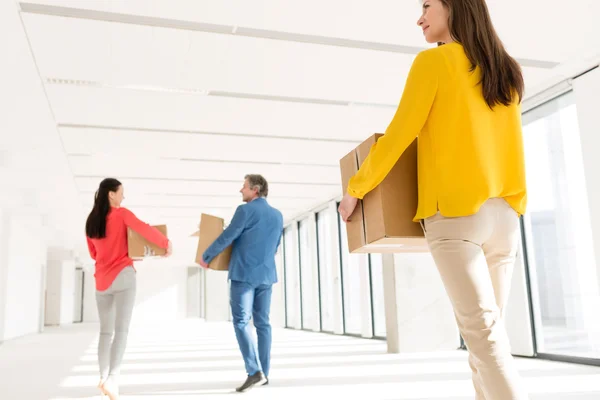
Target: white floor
(195, 360)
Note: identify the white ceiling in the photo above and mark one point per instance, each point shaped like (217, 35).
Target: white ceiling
(181, 99)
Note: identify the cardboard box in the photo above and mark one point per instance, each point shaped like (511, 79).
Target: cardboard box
(210, 229)
(139, 248)
(383, 221)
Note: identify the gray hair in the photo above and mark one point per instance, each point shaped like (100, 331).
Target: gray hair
(259, 183)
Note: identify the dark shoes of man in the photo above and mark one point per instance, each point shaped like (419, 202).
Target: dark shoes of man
(258, 379)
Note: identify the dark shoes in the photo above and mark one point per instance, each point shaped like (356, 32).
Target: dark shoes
(258, 379)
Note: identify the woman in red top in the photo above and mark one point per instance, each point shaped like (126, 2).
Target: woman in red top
(106, 231)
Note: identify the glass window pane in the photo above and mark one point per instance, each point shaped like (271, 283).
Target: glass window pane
(292, 281)
(309, 310)
(329, 284)
(558, 231)
(351, 283)
(377, 293)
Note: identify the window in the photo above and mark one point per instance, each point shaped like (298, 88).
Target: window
(292, 280)
(328, 269)
(562, 268)
(308, 269)
(377, 298)
(278, 306)
(351, 285)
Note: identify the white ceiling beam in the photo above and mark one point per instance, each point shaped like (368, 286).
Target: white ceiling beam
(167, 112)
(208, 180)
(198, 132)
(217, 93)
(141, 20)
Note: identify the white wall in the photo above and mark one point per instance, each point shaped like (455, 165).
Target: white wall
(25, 257)
(33, 169)
(38, 198)
(90, 311)
(161, 293)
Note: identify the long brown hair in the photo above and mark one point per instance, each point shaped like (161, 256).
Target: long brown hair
(471, 25)
(95, 226)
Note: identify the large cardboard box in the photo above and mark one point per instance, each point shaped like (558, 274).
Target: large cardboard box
(139, 248)
(210, 229)
(383, 221)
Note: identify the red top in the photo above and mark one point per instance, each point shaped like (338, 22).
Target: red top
(111, 252)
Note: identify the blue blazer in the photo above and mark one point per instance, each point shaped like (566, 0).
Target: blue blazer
(255, 232)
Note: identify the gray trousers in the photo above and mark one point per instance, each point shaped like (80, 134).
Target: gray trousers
(115, 306)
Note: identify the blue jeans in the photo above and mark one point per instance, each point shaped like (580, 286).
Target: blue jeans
(254, 301)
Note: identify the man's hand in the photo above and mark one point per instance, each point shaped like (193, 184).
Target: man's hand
(203, 264)
(347, 206)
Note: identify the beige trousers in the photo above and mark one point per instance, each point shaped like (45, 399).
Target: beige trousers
(475, 256)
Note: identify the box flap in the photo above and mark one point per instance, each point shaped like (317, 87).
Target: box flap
(374, 223)
(355, 228)
(210, 229)
(400, 197)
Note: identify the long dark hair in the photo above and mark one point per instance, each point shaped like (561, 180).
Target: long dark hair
(95, 226)
(471, 25)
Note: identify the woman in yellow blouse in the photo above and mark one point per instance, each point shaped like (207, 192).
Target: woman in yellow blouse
(462, 100)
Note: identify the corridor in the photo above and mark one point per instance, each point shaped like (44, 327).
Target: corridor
(197, 360)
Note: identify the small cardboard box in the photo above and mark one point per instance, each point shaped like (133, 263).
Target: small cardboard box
(210, 229)
(138, 247)
(383, 221)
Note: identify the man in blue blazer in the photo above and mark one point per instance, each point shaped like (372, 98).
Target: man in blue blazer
(255, 232)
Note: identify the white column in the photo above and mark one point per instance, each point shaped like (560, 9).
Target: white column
(3, 270)
(59, 287)
(79, 291)
(67, 293)
(193, 292)
(391, 303)
(419, 315)
(216, 288)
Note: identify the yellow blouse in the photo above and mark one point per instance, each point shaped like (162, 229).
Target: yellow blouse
(467, 152)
